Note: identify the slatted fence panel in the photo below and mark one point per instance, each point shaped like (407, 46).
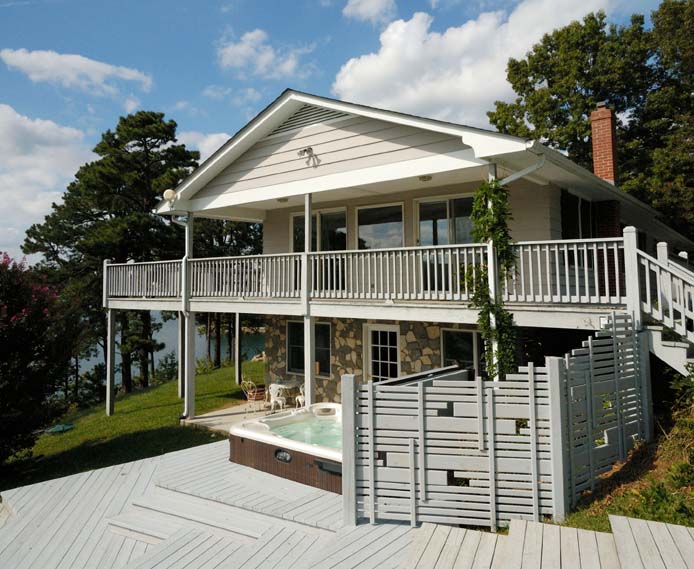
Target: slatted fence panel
(467, 452)
(605, 415)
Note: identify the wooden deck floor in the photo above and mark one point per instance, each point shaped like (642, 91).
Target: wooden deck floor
(193, 509)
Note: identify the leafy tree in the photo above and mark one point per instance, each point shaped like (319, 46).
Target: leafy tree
(219, 238)
(644, 75)
(34, 362)
(106, 213)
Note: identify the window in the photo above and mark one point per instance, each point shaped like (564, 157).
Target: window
(295, 347)
(379, 227)
(460, 347)
(329, 231)
(576, 217)
(383, 352)
(445, 221)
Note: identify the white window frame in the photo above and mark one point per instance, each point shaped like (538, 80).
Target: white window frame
(475, 346)
(372, 206)
(286, 347)
(366, 357)
(434, 199)
(317, 213)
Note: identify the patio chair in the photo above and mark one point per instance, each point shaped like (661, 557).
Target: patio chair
(277, 396)
(254, 394)
(300, 399)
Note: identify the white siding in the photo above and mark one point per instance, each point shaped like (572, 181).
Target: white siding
(338, 146)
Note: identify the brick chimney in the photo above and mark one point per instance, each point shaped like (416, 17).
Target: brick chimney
(604, 143)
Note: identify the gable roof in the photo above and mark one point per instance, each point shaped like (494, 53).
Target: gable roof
(295, 109)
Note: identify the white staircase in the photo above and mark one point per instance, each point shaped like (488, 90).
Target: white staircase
(677, 354)
(666, 299)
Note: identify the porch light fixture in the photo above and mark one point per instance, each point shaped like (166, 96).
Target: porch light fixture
(282, 200)
(308, 151)
(169, 195)
(426, 178)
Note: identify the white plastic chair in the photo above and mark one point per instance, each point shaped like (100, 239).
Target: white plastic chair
(300, 399)
(277, 396)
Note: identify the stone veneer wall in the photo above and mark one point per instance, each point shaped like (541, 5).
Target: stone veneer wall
(420, 350)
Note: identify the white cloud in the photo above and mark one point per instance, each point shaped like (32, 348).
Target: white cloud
(39, 158)
(131, 103)
(216, 92)
(207, 144)
(253, 54)
(246, 96)
(373, 11)
(238, 97)
(456, 74)
(73, 71)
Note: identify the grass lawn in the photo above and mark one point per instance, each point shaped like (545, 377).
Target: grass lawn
(145, 424)
(656, 483)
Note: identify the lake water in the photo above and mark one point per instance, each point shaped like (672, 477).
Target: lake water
(251, 344)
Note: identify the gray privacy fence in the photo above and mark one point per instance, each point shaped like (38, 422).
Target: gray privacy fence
(453, 449)
(609, 406)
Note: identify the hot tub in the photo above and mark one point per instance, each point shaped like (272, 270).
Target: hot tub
(304, 445)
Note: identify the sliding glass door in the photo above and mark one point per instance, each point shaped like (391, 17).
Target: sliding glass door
(329, 234)
(442, 222)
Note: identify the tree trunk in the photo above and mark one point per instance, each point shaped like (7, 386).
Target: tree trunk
(146, 334)
(217, 340)
(77, 378)
(152, 368)
(208, 333)
(126, 371)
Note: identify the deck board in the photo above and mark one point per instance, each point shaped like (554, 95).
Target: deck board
(181, 511)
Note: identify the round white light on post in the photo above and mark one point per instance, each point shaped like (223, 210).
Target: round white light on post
(169, 195)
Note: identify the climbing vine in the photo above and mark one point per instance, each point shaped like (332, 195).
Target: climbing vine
(490, 217)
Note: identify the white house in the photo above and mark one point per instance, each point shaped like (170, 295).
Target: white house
(379, 291)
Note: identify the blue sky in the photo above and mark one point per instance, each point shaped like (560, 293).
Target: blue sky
(70, 68)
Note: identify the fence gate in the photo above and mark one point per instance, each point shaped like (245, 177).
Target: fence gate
(606, 402)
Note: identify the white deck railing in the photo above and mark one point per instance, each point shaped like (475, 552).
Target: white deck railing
(574, 271)
(586, 271)
(667, 294)
(412, 273)
(159, 279)
(252, 276)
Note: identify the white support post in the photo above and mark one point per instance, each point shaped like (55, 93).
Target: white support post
(492, 277)
(349, 451)
(645, 370)
(237, 349)
(663, 255)
(110, 361)
(631, 274)
(181, 354)
(493, 293)
(190, 225)
(105, 285)
(189, 326)
(309, 328)
(558, 410)
(189, 395)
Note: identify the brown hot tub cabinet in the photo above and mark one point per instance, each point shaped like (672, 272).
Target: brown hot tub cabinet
(287, 463)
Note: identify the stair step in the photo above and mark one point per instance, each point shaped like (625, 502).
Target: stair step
(150, 528)
(675, 344)
(206, 513)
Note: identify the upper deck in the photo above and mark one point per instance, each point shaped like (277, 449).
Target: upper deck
(564, 283)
